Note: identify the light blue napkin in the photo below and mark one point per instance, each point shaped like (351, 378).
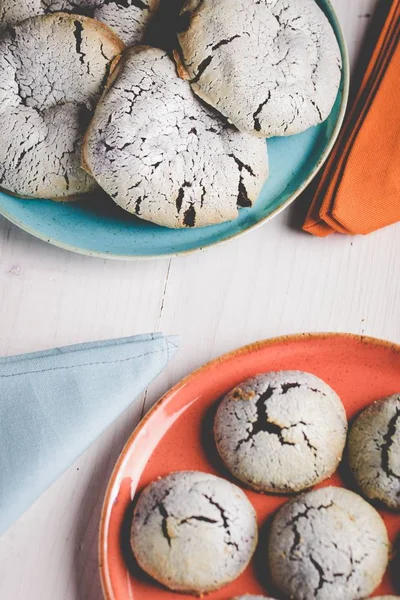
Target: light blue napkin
(54, 404)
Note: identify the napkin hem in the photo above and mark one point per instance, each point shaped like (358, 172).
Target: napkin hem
(75, 348)
(77, 366)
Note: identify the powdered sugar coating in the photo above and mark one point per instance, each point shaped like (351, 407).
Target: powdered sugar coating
(52, 71)
(162, 155)
(374, 451)
(328, 544)
(272, 67)
(193, 532)
(281, 432)
(128, 18)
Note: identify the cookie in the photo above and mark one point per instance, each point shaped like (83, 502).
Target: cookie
(374, 451)
(281, 432)
(328, 544)
(52, 71)
(162, 155)
(128, 19)
(272, 67)
(193, 532)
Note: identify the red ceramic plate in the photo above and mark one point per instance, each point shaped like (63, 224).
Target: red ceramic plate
(176, 435)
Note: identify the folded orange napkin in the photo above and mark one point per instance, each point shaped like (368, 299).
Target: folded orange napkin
(359, 190)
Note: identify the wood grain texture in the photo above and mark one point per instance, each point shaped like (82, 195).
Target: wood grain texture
(273, 281)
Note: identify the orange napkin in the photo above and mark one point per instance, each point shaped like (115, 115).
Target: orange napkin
(359, 190)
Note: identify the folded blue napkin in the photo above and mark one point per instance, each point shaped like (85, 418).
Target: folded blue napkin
(54, 404)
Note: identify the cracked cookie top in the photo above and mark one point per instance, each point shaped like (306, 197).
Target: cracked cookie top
(193, 532)
(52, 71)
(162, 155)
(374, 451)
(128, 18)
(272, 67)
(281, 432)
(328, 544)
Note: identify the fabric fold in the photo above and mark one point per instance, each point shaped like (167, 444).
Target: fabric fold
(359, 190)
(55, 403)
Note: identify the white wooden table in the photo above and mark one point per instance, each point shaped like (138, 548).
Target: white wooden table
(273, 281)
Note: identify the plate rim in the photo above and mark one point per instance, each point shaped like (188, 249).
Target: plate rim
(248, 348)
(324, 156)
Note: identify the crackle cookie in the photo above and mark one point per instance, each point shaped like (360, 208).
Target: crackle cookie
(128, 18)
(281, 432)
(193, 532)
(374, 451)
(328, 544)
(272, 67)
(162, 155)
(52, 71)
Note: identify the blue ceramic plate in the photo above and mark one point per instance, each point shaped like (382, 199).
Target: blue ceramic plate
(98, 228)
